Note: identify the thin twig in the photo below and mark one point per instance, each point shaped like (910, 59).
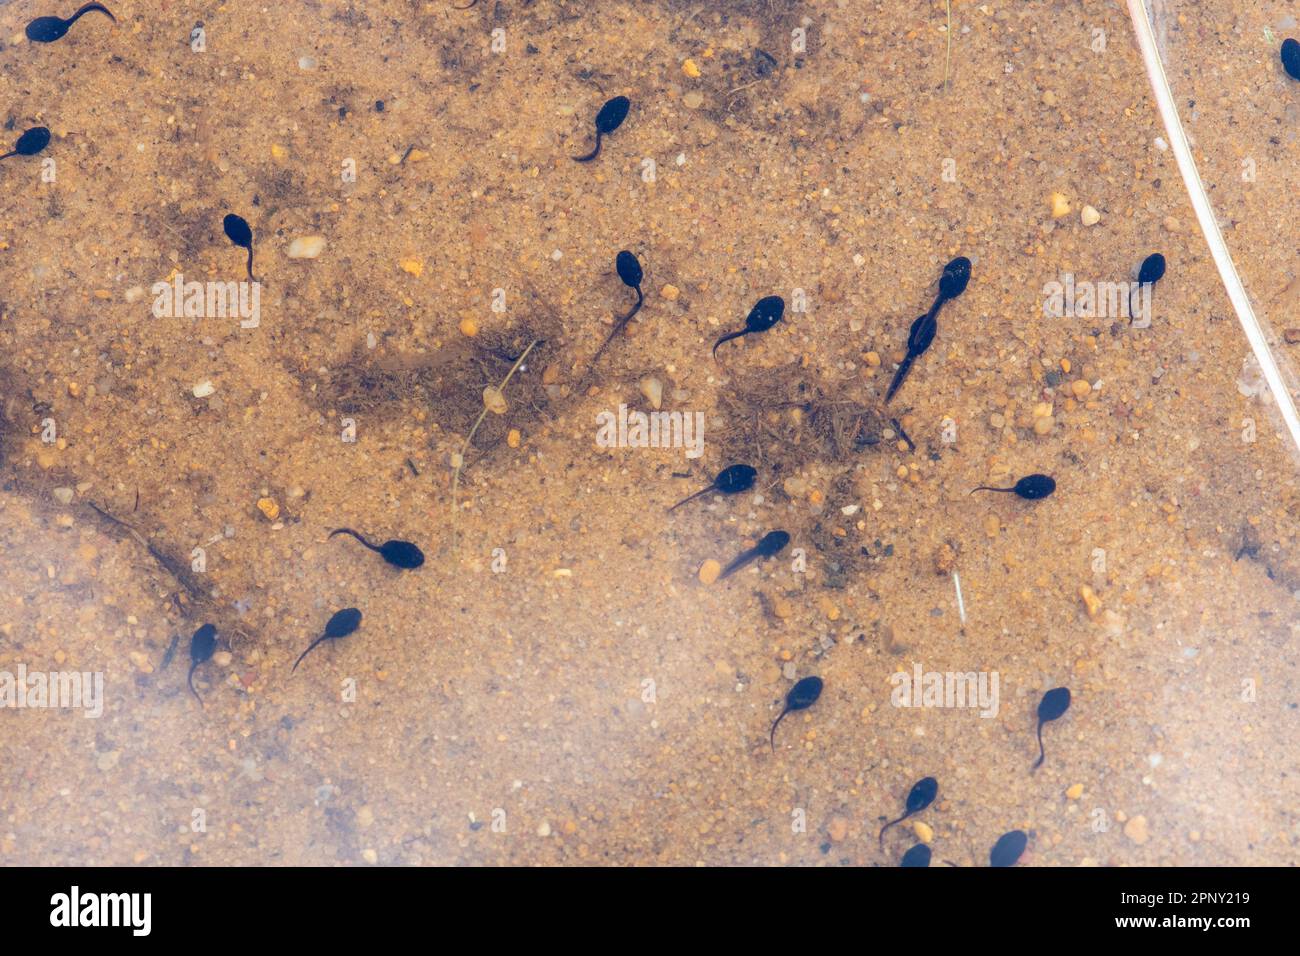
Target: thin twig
(459, 460)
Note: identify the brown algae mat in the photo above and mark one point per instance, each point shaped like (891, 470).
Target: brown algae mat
(555, 684)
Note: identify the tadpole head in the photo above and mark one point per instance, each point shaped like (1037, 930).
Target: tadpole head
(203, 643)
(1291, 58)
(32, 141)
(343, 622)
(804, 693)
(238, 231)
(766, 312)
(735, 478)
(1008, 848)
(402, 554)
(918, 855)
(922, 794)
(47, 29)
(772, 542)
(612, 114)
(956, 275)
(1153, 268)
(1033, 487)
(1054, 703)
(629, 269)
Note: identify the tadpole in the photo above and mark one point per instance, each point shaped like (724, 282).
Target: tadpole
(30, 143)
(49, 29)
(1030, 487)
(1054, 703)
(202, 645)
(341, 624)
(1150, 272)
(609, 118)
(768, 545)
(732, 480)
(766, 312)
(1008, 848)
(921, 796)
(240, 233)
(952, 283)
(400, 554)
(802, 696)
(918, 855)
(629, 270)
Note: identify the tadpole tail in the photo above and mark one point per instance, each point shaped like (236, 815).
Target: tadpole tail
(890, 824)
(250, 263)
(901, 374)
(690, 498)
(12, 152)
(772, 737)
(1041, 755)
(310, 648)
(640, 299)
(190, 681)
(91, 8)
(988, 488)
(726, 338)
(355, 535)
(590, 156)
(741, 560)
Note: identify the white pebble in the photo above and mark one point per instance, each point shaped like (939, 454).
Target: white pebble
(306, 247)
(204, 389)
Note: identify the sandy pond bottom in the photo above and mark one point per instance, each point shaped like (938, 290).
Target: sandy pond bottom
(561, 688)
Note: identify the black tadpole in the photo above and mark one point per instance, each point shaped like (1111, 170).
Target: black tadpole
(241, 234)
(1150, 272)
(952, 283)
(30, 143)
(342, 624)
(202, 644)
(1008, 848)
(1054, 703)
(629, 270)
(732, 480)
(400, 554)
(921, 796)
(768, 545)
(918, 855)
(802, 696)
(609, 118)
(49, 29)
(1291, 58)
(766, 312)
(1030, 487)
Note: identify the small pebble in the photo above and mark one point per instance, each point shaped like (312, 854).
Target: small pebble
(1075, 792)
(1136, 830)
(1043, 425)
(923, 831)
(653, 390)
(513, 438)
(269, 508)
(204, 389)
(691, 69)
(469, 328)
(63, 495)
(1060, 205)
(1089, 216)
(306, 247)
(670, 292)
(413, 265)
(693, 100)
(494, 401)
(709, 571)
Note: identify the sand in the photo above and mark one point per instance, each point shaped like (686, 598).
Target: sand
(555, 685)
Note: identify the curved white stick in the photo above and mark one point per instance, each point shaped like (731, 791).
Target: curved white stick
(1209, 225)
